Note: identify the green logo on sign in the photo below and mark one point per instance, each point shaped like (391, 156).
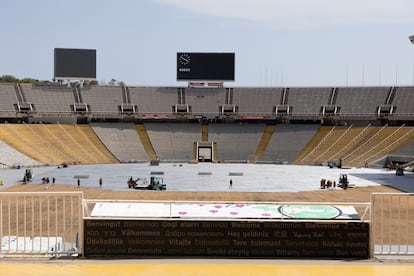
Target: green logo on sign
(310, 211)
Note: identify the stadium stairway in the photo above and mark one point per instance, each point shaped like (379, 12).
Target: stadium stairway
(267, 134)
(204, 133)
(146, 142)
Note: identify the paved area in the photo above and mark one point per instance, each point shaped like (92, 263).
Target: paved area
(213, 177)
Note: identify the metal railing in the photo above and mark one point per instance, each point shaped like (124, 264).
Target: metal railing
(41, 223)
(171, 115)
(51, 223)
(392, 224)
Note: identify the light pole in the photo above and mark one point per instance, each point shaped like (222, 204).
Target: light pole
(411, 38)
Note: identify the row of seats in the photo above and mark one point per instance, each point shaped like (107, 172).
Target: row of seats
(164, 100)
(55, 144)
(355, 145)
(172, 142)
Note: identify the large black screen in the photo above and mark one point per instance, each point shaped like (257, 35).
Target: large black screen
(205, 66)
(75, 63)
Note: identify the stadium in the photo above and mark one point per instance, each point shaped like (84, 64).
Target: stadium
(68, 125)
(360, 125)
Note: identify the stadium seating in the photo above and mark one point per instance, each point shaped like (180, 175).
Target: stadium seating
(256, 100)
(102, 99)
(49, 98)
(308, 100)
(385, 140)
(158, 100)
(204, 100)
(306, 103)
(10, 157)
(361, 100)
(56, 144)
(288, 141)
(230, 117)
(355, 146)
(236, 142)
(122, 141)
(8, 98)
(173, 142)
(404, 101)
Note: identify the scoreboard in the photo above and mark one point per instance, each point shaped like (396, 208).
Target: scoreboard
(205, 66)
(74, 63)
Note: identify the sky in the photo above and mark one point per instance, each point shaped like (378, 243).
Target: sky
(292, 43)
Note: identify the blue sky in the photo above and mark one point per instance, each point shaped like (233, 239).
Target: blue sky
(276, 42)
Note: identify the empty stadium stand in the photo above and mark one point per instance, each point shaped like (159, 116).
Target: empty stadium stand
(407, 150)
(56, 144)
(24, 139)
(287, 142)
(48, 99)
(54, 124)
(12, 158)
(256, 100)
(8, 98)
(122, 140)
(354, 146)
(361, 100)
(174, 142)
(204, 100)
(102, 99)
(154, 100)
(385, 141)
(52, 103)
(236, 142)
(308, 101)
(403, 101)
(91, 143)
